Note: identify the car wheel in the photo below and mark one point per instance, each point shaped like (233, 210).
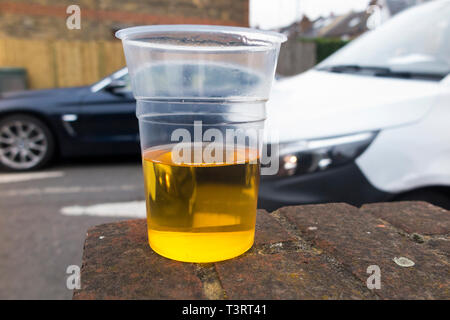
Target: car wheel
(26, 143)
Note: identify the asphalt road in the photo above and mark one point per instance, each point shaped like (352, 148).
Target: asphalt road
(38, 241)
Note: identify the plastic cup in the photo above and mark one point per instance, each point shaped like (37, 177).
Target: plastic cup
(201, 94)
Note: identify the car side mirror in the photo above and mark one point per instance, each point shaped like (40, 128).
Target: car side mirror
(117, 86)
(446, 81)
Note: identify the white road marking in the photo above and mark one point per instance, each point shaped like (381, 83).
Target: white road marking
(133, 209)
(65, 190)
(19, 177)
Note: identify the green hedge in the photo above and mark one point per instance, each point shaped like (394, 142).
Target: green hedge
(326, 46)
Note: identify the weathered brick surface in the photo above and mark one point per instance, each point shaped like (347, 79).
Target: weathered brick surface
(118, 264)
(269, 230)
(357, 239)
(286, 275)
(440, 244)
(412, 216)
(303, 252)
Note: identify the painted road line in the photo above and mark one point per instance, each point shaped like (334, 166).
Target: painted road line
(66, 190)
(19, 177)
(133, 209)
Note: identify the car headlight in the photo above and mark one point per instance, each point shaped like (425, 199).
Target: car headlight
(320, 154)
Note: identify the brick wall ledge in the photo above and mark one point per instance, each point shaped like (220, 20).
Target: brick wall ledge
(300, 252)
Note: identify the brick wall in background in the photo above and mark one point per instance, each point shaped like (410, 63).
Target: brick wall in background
(33, 33)
(45, 19)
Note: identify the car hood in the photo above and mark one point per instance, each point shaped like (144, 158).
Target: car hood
(319, 104)
(69, 93)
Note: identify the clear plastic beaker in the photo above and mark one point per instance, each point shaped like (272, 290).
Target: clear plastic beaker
(201, 93)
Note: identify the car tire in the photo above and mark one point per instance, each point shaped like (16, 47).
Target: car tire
(26, 143)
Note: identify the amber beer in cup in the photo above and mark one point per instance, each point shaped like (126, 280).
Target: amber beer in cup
(201, 93)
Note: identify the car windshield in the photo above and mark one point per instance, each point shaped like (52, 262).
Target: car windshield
(416, 41)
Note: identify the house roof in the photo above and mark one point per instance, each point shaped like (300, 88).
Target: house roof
(351, 24)
(298, 27)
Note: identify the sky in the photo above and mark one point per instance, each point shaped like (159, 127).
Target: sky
(268, 14)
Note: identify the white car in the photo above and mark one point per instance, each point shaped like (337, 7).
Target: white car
(372, 121)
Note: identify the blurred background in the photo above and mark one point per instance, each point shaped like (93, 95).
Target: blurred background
(34, 38)
(367, 124)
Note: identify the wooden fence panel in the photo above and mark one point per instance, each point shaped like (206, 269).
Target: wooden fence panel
(90, 58)
(61, 63)
(33, 55)
(111, 57)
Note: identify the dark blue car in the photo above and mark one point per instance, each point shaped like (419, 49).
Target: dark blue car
(92, 120)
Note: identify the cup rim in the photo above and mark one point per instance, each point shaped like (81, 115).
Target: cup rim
(268, 39)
